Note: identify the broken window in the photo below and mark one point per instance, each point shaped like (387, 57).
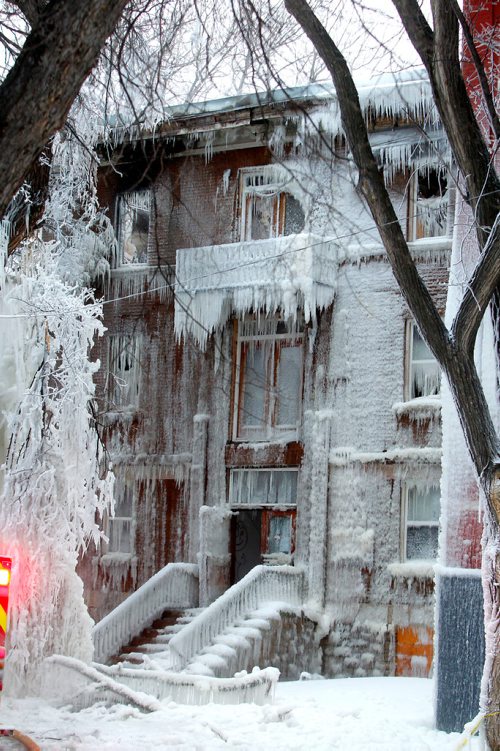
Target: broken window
(268, 387)
(423, 372)
(133, 226)
(119, 526)
(124, 371)
(267, 210)
(421, 521)
(428, 204)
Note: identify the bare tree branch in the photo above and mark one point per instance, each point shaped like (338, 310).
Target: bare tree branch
(456, 360)
(371, 179)
(481, 73)
(30, 9)
(477, 296)
(442, 62)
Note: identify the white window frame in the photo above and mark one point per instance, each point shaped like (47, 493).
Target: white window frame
(115, 521)
(125, 209)
(234, 481)
(411, 329)
(269, 429)
(407, 523)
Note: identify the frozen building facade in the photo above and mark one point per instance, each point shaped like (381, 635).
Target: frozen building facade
(272, 415)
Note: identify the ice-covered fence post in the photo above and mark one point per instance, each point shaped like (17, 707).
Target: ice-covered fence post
(318, 430)
(215, 559)
(198, 479)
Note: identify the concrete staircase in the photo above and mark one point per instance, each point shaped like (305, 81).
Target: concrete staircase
(152, 643)
(170, 642)
(277, 634)
(257, 622)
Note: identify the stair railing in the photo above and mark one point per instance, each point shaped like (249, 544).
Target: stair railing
(175, 586)
(284, 584)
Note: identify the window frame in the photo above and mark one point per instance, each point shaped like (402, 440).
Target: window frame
(113, 520)
(416, 231)
(407, 487)
(277, 191)
(256, 504)
(116, 376)
(410, 328)
(123, 217)
(270, 428)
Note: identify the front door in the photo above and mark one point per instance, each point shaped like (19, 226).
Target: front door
(262, 536)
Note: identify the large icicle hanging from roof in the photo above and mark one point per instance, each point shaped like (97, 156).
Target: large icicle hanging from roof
(281, 274)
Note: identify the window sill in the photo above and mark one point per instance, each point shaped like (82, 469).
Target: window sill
(420, 408)
(124, 267)
(417, 569)
(125, 414)
(108, 560)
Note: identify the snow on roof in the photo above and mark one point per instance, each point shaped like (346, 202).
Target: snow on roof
(406, 94)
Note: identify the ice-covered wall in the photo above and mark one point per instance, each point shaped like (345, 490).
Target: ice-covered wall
(378, 441)
(370, 438)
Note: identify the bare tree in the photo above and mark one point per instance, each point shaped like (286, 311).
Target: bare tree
(453, 347)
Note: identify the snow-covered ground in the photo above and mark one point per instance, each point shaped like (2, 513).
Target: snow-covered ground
(357, 714)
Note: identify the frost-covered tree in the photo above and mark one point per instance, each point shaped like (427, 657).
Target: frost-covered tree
(55, 478)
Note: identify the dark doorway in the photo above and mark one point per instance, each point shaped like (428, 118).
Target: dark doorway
(246, 536)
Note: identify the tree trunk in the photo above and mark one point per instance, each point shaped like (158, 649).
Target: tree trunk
(59, 53)
(454, 348)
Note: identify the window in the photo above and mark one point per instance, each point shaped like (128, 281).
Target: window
(268, 384)
(428, 204)
(421, 521)
(265, 502)
(133, 226)
(263, 487)
(266, 209)
(125, 370)
(423, 372)
(119, 526)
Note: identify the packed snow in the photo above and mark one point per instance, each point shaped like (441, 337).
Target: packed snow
(393, 714)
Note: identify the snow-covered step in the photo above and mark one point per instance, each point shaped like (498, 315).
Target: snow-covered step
(152, 644)
(250, 642)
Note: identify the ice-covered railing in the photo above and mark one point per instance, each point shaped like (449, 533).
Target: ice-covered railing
(283, 273)
(174, 586)
(145, 688)
(262, 584)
